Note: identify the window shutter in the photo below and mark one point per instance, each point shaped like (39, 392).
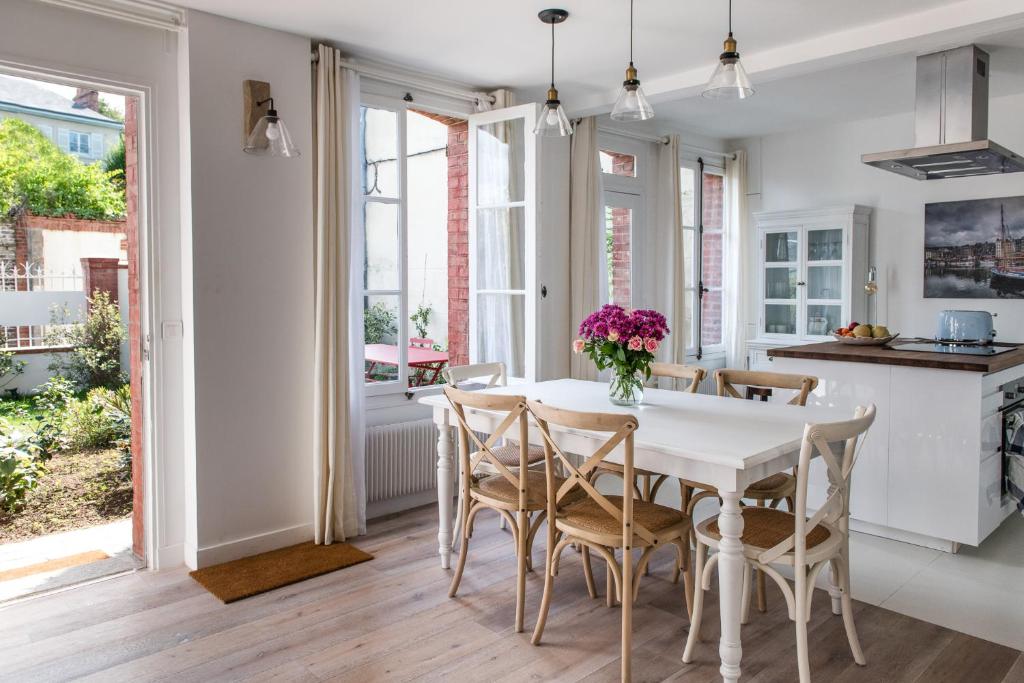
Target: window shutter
(96, 145)
(63, 139)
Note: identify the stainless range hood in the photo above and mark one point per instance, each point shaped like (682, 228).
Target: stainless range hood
(951, 122)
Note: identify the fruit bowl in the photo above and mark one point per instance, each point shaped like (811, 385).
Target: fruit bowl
(866, 341)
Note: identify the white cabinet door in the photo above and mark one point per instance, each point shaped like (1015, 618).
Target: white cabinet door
(780, 292)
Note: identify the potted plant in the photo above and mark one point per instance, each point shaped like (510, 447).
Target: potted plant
(624, 342)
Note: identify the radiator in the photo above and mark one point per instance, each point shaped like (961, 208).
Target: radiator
(401, 460)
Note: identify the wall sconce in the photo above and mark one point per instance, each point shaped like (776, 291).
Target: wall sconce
(265, 132)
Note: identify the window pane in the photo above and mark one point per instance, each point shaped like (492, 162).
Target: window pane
(501, 331)
(500, 163)
(689, 249)
(687, 188)
(617, 163)
(380, 152)
(780, 283)
(380, 270)
(711, 318)
(824, 282)
(712, 259)
(618, 231)
(501, 248)
(690, 302)
(380, 332)
(712, 201)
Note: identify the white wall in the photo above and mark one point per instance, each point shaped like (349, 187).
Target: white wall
(113, 56)
(252, 283)
(821, 166)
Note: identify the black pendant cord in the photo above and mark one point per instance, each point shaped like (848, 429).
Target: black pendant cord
(631, 31)
(552, 55)
(730, 17)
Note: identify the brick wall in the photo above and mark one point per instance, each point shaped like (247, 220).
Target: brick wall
(458, 243)
(621, 261)
(713, 216)
(99, 274)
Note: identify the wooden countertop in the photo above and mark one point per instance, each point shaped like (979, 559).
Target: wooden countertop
(884, 355)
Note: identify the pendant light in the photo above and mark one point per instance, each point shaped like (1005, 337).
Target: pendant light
(632, 104)
(552, 120)
(730, 80)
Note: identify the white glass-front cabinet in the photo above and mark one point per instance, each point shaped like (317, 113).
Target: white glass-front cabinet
(811, 270)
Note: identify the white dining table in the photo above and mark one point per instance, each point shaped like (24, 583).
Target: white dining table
(724, 442)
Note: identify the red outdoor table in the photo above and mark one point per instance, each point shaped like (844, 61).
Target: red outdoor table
(432, 362)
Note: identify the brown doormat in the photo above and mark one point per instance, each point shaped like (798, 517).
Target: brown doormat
(264, 572)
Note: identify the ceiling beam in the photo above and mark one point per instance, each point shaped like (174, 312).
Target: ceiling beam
(919, 33)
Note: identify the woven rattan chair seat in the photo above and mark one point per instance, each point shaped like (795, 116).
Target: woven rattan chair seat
(765, 528)
(587, 515)
(508, 455)
(776, 482)
(501, 489)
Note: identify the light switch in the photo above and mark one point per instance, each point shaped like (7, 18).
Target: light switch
(171, 329)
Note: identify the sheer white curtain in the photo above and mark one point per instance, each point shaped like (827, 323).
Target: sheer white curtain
(586, 235)
(339, 481)
(735, 248)
(671, 264)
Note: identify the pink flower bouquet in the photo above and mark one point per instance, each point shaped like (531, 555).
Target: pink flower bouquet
(625, 342)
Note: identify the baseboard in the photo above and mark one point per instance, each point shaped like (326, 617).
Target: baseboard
(382, 508)
(168, 557)
(911, 537)
(253, 545)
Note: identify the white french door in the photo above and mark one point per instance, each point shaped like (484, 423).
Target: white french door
(502, 239)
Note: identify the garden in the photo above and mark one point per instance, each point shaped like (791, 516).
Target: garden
(65, 455)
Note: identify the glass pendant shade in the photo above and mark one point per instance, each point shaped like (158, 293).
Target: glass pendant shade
(632, 104)
(552, 121)
(729, 82)
(270, 137)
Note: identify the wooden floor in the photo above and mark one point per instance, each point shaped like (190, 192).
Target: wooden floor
(391, 619)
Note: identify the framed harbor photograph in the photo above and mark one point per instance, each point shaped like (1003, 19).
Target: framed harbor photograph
(974, 249)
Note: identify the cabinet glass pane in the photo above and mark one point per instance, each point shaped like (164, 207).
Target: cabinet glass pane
(380, 269)
(501, 248)
(780, 283)
(501, 331)
(824, 282)
(823, 319)
(780, 318)
(500, 163)
(824, 245)
(380, 152)
(781, 247)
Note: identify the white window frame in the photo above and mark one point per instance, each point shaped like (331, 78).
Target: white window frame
(616, 199)
(528, 114)
(400, 107)
(695, 287)
(77, 135)
(627, 192)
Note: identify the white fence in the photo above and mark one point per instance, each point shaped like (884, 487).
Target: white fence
(29, 277)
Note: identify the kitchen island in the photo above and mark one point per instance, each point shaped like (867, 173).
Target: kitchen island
(930, 470)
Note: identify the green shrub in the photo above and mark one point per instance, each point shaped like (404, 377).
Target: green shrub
(52, 402)
(36, 176)
(379, 321)
(10, 367)
(95, 357)
(421, 319)
(20, 466)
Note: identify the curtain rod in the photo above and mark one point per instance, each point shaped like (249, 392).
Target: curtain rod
(410, 82)
(663, 140)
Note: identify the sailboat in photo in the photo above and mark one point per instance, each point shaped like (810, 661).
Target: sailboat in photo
(1009, 260)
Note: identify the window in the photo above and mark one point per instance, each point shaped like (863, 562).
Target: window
(405, 185)
(703, 203)
(623, 212)
(78, 142)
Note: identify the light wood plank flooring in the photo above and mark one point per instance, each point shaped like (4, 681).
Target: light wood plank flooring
(391, 619)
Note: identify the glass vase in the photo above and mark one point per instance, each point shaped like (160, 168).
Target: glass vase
(626, 388)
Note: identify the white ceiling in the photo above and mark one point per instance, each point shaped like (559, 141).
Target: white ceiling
(811, 60)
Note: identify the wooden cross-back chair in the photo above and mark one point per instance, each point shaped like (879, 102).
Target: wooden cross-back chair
(770, 491)
(491, 375)
(599, 523)
(772, 536)
(515, 493)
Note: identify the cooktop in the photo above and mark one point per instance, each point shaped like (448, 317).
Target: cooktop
(947, 347)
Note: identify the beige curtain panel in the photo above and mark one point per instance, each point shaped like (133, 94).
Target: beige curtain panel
(339, 482)
(586, 234)
(671, 263)
(736, 246)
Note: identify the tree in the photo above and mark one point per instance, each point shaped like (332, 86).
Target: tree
(115, 163)
(36, 176)
(95, 357)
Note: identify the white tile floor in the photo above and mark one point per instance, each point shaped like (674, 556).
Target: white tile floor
(115, 539)
(979, 591)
